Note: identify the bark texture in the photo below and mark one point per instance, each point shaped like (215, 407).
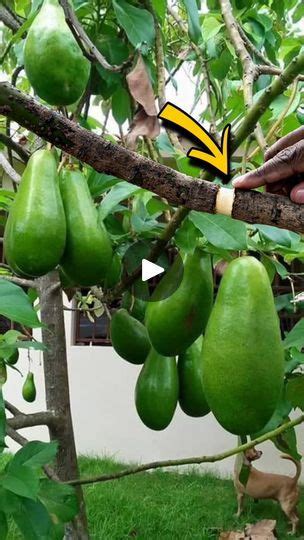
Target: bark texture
(57, 393)
(109, 158)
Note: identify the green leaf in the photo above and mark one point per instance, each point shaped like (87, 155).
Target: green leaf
(118, 193)
(211, 27)
(279, 417)
(59, 499)
(121, 105)
(33, 520)
(137, 23)
(281, 237)
(186, 236)
(295, 338)
(2, 422)
(221, 231)
(219, 67)
(3, 526)
(185, 166)
(164, 145)
(295, 391)
(287, 442)
(194, 26)
(160, 8)
(100, 182)
(294, 360)
(35, 345)
(16, 306)
(34, 454)
(21, 480)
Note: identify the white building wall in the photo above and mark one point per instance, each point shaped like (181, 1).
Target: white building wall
(105, 418)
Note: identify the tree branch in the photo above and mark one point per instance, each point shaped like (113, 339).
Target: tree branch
(251, 47)
(17, 148)
(20, 281)
(8, 19)
(177, 188)
(278, 86)
(205, 72)
(11, 408)
(189, 461)
(274, 70)
(22, 441)
(87, 46)
(249, 68)
(45, 418)
(14, 176)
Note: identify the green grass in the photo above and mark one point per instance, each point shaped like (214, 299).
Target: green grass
(167, 505)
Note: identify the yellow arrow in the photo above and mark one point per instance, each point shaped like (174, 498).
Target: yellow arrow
(219, 156)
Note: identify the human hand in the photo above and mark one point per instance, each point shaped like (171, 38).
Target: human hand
(283, 170)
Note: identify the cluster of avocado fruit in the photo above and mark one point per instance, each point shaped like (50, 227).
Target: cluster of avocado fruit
(229, 355)
(225, 357)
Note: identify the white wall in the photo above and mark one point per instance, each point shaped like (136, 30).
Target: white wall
(105, 418)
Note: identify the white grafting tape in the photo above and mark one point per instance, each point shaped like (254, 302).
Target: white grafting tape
(224, 201)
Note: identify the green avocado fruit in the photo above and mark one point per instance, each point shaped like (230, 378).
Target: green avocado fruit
(29, 388)
(156, 391)
(88, 252)
(53, 60)
(13, 358)
(129, 337)
(242, 353)
(191, 392)
(35, 232)
(174, 323)
(114, 272)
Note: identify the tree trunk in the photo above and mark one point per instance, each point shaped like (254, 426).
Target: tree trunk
(57, 393)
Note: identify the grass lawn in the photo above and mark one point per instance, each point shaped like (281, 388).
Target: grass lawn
(168, 506)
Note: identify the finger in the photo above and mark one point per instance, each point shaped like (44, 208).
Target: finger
(297, 193)
(288, 140)
(287, 163)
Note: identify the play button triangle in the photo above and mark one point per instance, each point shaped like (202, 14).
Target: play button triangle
(149, 270)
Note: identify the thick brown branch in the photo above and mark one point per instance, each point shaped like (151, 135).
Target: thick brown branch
(177, 188)
(192, 460)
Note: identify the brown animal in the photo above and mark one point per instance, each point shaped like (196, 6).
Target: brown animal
(260, 485)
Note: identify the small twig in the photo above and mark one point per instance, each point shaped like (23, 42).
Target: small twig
(188, 461)
(251, 47)
(249, 68)
(23, 154)
(274, 70)
(11, 408)
(87, 46)
(10, 171)
(20, 281)
(22, 441)
(205, 72)
(278, 121)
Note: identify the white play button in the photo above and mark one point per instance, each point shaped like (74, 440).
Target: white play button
(149, 270)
